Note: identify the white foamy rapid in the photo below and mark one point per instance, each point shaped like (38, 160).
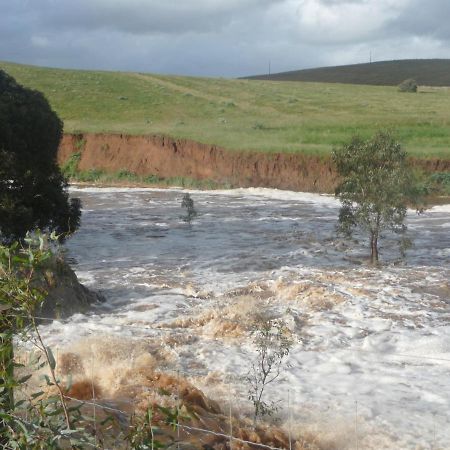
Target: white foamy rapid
(371, 360)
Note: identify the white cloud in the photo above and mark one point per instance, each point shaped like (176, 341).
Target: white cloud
(345, 21)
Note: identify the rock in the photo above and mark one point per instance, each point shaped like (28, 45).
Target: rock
(66, 295)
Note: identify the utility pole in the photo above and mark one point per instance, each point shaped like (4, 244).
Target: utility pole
(269, 67)
(370, 57)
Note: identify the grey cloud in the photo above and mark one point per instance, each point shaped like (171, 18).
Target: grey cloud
(421, 18)
(148, 16)
(219, 37)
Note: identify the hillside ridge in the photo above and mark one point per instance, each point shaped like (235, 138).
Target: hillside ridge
(427, 72)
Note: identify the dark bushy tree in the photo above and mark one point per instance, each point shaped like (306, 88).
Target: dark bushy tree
(33, 192)
(408, 85)
(377, 185)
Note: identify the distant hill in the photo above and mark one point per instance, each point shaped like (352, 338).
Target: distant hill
(427, 72)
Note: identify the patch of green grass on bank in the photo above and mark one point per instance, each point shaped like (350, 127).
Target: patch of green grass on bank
(124, 177)
(439, 183)
(266, 116)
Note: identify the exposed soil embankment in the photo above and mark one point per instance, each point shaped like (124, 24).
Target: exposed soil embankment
(166, 157)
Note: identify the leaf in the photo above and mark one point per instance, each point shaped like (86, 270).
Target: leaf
(24, 379)
(47, 380)
(51, 358)
(35, 395)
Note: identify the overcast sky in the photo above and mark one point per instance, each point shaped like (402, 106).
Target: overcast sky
(220, 37)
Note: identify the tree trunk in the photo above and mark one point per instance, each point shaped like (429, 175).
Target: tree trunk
(374, 248)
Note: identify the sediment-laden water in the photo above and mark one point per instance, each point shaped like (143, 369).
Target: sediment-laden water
(371, 359)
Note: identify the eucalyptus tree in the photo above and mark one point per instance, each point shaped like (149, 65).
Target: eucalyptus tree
(377, 184)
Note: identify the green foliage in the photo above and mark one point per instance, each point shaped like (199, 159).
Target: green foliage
(377, 185)
(80, 143)
(91, 175)
(125, 175)
(70, 168)
(36, 421)
(144, 429)
(33, 191)
(100, 176)
(439, 183)
(188, 203)
(408, 85)
(273, 344)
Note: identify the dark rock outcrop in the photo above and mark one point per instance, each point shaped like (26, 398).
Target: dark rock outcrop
(66, 295)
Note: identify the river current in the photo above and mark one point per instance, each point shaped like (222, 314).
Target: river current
(371, 358)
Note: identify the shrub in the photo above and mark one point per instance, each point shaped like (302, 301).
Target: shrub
(408, 85)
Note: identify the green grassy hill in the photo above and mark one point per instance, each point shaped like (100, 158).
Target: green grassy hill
(242, 114)
(427, 72)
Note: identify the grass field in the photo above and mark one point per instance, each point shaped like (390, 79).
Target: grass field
(241, 114)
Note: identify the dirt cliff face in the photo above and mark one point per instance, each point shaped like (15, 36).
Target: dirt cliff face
(166, 157)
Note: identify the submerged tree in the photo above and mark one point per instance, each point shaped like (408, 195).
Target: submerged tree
(273, 344)
(33, 192)
(188, 203)
(377, 185)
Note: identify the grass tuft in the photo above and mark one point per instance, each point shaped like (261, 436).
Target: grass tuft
(127, 177)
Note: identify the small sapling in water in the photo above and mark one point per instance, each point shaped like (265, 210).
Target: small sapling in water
(273, 344)
(188, 203)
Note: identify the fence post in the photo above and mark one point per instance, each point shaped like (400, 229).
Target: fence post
(93, 399)
(230, 416)
(434, 431)
(178, 409)
(289, 418)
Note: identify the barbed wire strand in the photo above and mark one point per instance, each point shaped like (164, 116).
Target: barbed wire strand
(187, 427)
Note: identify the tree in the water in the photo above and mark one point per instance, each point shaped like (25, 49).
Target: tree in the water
(188, 203)
(33, 192)
(376, 186)
(273, 344)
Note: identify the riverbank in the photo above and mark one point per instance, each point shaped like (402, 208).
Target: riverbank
(157, 160)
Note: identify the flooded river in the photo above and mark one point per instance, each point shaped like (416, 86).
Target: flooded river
(371, 360)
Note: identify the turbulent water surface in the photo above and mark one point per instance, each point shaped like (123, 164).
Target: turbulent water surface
(371, 361)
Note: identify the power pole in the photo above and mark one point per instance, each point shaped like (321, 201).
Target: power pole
(269, 67)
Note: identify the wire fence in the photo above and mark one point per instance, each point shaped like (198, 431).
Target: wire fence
(156, 331)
